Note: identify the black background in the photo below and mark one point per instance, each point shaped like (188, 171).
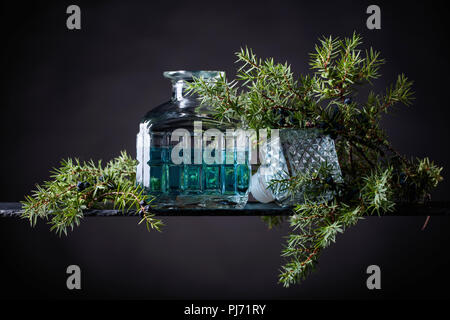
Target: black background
(82, 94)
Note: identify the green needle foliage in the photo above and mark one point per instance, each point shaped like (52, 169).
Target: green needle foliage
(78, 186)
(266, 94)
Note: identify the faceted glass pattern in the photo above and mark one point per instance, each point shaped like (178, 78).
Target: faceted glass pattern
(302, 151)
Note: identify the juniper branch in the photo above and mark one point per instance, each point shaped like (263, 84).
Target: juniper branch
(78, 186)
(266, 94)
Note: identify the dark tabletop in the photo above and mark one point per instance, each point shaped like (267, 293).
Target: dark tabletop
(434, 208)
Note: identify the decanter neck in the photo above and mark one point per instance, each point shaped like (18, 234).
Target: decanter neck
(179, 89)
(181, 78)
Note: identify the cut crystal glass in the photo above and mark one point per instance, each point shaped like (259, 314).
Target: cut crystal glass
(295, 152)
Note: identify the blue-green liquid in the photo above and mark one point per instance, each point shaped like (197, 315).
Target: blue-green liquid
(196, 179)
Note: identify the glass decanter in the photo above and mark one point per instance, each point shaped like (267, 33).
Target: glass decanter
(187, 158)
(289, 153)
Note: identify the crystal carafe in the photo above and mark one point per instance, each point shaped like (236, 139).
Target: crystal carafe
(187, 158)
(289, 153)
